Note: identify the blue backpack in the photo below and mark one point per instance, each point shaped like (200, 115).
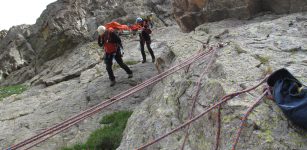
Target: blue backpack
(290, 95)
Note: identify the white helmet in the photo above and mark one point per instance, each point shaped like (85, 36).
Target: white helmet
(101, 29)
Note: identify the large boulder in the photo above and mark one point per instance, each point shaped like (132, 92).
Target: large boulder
(285, 6)
(16, 52)
(189, 14)
(60, 28)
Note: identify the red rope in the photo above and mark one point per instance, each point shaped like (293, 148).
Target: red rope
(195, 97)
(218, 131)
(223, 100)
(95, 111)
(77, 118)
(244, 119)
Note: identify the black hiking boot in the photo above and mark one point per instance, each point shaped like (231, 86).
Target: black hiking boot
(130, 75)
(112, 83)
(144, 61)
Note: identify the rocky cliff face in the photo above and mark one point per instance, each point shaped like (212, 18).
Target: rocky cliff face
(63, 26)
(3, 33)
(256, 48)
(56, 56)
(58, 60)
(16, 53)
(191, 13)
(72, 86)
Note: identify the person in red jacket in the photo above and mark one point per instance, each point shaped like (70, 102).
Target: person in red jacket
(112, 47)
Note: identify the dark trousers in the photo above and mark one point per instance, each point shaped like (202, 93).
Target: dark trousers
(108, 61)
(149, 49)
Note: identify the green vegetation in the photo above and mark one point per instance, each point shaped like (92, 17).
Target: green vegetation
(129, 63)
(267, 136)
(77, 147)
(11, 90)
(107, 137)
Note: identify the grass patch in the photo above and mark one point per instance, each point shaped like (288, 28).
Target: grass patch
(107, 137)
(11, 90)
(129, 63)
(77, 147)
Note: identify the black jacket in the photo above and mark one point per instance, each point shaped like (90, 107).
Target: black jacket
(145, 34)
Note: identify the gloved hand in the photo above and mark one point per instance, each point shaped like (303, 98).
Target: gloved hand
(122, 52)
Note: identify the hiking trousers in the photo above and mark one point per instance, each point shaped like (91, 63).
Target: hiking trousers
(149, 49)
(109, 62)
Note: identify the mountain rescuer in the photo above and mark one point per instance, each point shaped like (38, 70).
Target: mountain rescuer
(145, 38)
(112, 50)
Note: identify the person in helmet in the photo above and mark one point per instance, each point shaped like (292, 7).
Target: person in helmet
(146, 39)
(112, 50)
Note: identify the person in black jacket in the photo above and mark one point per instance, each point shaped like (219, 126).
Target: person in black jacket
(145, 38)
(112, 47)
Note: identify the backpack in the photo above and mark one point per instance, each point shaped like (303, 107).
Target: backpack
(109, 46)
(290, 95)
